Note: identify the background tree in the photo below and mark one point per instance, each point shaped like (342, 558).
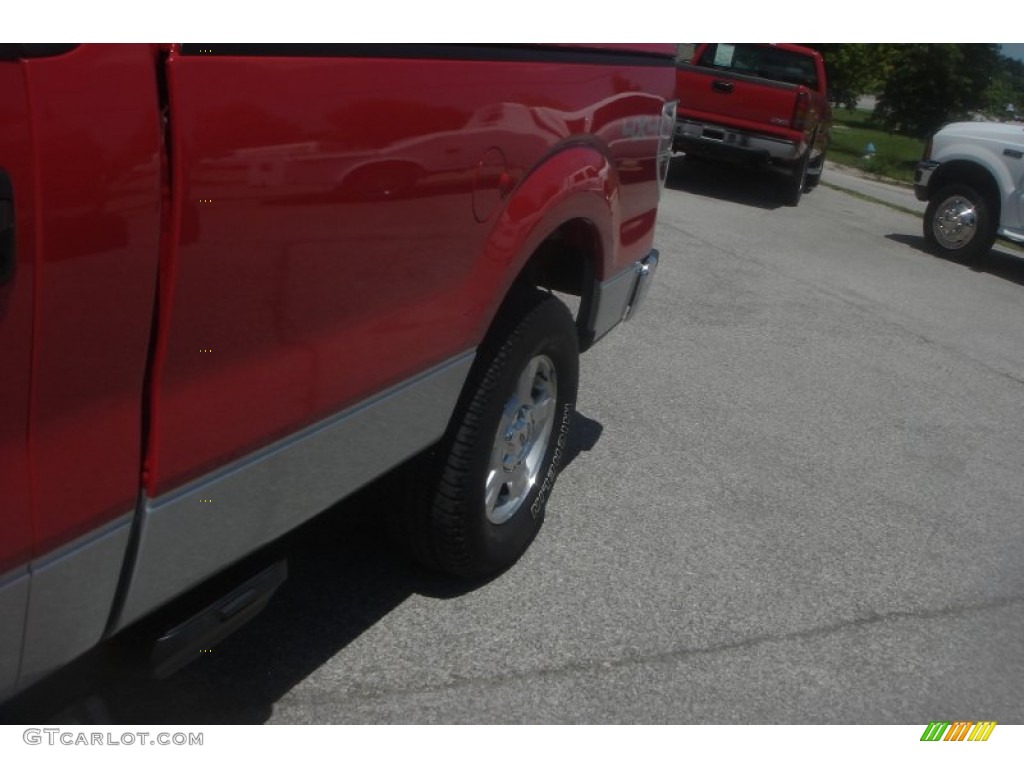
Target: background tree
(922, 86)
(853, 68)
(1007, 87)
(929, 84)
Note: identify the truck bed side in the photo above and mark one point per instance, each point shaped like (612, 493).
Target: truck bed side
(249, 279)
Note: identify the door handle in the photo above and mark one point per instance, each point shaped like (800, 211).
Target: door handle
(722, 86)
(6, 228)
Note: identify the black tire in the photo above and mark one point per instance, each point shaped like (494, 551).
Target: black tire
(815, 170)
(449, 524)
(959, 222)
(796, 183)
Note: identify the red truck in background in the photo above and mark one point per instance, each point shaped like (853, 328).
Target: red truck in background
(760, 102)
(238, 282)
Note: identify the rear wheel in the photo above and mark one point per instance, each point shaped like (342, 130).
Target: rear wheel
(959, 222)
(483, 491)
(815, 170)
(796, 183)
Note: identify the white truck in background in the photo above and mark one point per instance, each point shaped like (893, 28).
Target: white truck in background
(972, 176)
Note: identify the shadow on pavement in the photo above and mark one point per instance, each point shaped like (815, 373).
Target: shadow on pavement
(746, 185)
(344, 577)
(1004, 263)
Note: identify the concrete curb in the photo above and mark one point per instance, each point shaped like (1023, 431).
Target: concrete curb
(894, 195)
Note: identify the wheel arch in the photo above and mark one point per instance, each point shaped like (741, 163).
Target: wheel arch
(973, 174)
(556, 232)
(567, 262)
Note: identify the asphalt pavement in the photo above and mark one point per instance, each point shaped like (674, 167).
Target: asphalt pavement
(793, 496)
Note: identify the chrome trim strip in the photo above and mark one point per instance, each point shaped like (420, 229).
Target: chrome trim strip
(71, 596)
(191, 533)
(13, 607)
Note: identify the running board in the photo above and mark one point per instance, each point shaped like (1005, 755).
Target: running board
(181, 645)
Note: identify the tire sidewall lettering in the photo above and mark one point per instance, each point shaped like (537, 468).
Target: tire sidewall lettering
(556, 462)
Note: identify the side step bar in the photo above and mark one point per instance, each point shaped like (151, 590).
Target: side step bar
(181, 645)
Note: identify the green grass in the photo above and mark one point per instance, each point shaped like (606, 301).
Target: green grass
(895, 155)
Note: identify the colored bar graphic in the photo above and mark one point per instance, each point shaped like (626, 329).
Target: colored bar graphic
(959, 730)
(934, 730)
(982, 730)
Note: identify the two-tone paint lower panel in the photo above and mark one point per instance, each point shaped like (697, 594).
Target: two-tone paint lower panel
(13, 604)
(57, 607)
(196, 531)
(71, 596)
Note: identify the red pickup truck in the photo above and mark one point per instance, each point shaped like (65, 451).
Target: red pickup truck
(765, 103)
(238, 282)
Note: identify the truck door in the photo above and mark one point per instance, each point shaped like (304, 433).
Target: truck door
(80, 148)
(314, 289)
(325, 204)
(16, 275)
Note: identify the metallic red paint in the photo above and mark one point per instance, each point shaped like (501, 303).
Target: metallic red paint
(95, 127)
(335, 226)
(215, 251)
(757, 105)
(16, 324)
(327, 242)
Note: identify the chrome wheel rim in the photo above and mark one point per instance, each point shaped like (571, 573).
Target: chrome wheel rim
(955, 222)
(521, 440)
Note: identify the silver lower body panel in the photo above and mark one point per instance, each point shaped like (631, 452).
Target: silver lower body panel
(621, 297)
(191, 534)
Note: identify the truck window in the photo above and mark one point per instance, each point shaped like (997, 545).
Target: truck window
(761, 61)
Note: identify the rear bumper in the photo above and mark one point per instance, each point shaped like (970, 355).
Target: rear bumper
(728, 143)
(621, 297)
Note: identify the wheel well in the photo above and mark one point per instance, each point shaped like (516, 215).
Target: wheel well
(972, 174)
(564, 264)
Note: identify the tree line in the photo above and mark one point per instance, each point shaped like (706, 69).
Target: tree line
(922, 86)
